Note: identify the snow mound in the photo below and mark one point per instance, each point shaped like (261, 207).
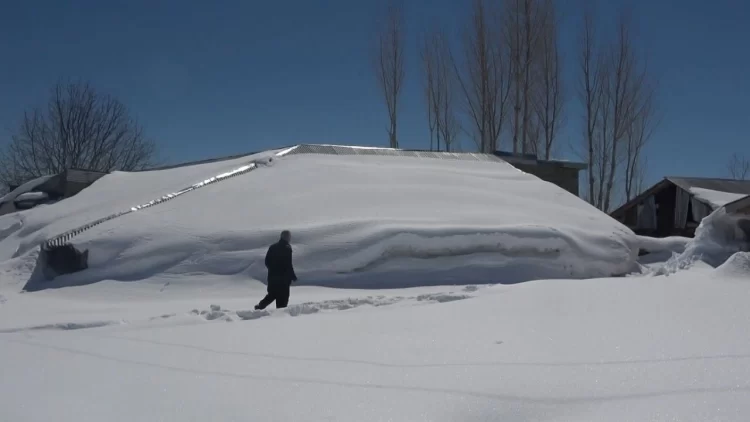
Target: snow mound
(357, 221)
(718, 237)
(655, 252)
(675, 244)
(737, 266)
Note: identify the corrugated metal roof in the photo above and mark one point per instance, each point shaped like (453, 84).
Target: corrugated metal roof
(721, 185)
(353, 150)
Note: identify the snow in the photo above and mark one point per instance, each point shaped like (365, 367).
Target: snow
(31, 196)
(162, 327)
(717, 238)
(716, 198)
(25, 188)
(657, 251)
(357, 222)
(639, 348)
(670, 244)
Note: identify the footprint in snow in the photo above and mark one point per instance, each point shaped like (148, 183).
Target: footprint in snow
(216, 312)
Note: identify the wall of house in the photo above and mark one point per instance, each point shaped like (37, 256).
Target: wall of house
(565, 177)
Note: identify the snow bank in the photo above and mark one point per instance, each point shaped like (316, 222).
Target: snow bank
(654, 252)
(714, 197)
(718, 237)
(357, 221)
(737, 266)
(667, 244)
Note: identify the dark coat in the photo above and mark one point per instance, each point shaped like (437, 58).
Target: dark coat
(279, 264)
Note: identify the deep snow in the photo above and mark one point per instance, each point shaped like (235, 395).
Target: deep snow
(357, 221)
(181, 342)
(637, 348)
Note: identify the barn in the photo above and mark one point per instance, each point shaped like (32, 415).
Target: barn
(676, 205)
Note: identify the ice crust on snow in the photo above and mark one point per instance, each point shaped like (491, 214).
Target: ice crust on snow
(357, 221)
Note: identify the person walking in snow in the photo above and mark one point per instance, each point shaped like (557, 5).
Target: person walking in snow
(280, 272)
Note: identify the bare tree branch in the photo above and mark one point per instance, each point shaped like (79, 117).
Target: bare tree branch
(525, 22)
(738, 167)
(440, 81)
(390, 64)
(428, 63)
(637, 136)
(549, 99)
(590, 92)
(483, 76)
(618, 111)
(81, 128)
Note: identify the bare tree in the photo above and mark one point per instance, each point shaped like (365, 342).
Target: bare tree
(637, 136)
(739, 167)
(525, 22)
(549, 98)
(590, 91)
(432, 100)
(440, 88)
(390, 64)
(449, 124)
(483, 76)
(626, 95)
(80, 128)
(618, 102)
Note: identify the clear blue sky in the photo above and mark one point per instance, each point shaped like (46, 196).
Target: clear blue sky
(215, 78)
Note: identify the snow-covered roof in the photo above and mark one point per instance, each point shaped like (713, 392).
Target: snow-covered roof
(31, 196)
(713, 192)
(26, 187)
(358, 217)
(715, 198)
(719, 185)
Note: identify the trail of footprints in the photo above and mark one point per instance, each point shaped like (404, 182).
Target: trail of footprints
(216, 312)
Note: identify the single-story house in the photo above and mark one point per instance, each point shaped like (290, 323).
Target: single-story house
(676, 205)
(47, 189)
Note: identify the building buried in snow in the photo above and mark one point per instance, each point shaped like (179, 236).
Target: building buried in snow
(676, 205)
(564, 174)
(47, 189)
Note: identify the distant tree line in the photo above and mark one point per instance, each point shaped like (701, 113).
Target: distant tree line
(502, 85)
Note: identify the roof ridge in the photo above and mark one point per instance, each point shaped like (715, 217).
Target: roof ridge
(707, 178)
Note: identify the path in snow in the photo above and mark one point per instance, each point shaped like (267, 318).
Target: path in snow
(217, 312)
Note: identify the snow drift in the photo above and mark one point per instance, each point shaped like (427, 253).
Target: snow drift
(357, 221)
(720, 241)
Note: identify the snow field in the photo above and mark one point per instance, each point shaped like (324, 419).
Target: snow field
(162, 326)
(651, 348)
